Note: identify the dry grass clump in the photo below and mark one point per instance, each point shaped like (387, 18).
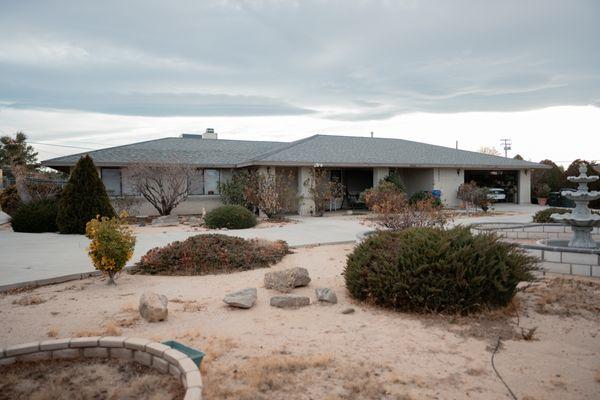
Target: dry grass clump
(567, 297)
(189, 305)
(284, 376)
(52, 332)
(29, 300)
(86, 379)
(111, 328)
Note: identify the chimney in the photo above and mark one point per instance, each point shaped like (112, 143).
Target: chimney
(209, 134)
(371, 134)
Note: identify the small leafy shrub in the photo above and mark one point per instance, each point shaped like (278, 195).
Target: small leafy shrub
(210, 254)
(437, 270)
(474, 196)
(423, 196)
(9, 199)
(112, 244)
(230, 217)
(233, 191)
(543, 216)
(36, 217)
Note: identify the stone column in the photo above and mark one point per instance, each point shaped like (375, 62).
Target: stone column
(306, 206)
(524, 186)
(379, 173)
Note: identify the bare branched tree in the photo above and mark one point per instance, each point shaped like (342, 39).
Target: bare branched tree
(165, 186)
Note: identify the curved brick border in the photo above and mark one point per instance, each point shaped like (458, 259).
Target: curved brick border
(143, 351)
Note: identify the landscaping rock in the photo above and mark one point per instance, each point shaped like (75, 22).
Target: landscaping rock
(349, 310)
(290, 301)
(241, 299)
(326, 294)
(153, 307)
(166, 220)
(286, 280)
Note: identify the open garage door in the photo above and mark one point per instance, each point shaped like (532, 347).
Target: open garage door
(499, 182)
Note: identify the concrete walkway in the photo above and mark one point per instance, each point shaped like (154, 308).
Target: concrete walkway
(28, 257)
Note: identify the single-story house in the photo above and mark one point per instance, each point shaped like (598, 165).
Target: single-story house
(358, 162)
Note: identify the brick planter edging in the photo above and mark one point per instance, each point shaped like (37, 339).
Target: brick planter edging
(143, 351)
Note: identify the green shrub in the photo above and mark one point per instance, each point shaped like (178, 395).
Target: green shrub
(233, 191)
(543, 216)
(420, 196)
(395, 180)
(83, 199)
(210, 254)
(436, 270)
(9, 199)
(230, 217)
(36, 217)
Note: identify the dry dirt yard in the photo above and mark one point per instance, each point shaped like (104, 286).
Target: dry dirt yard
(317, 352)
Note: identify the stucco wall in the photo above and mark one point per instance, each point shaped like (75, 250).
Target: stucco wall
(379, 174)
(418, 179)
(448, 180)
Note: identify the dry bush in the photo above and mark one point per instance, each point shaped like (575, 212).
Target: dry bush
(111, 328)
(396, 212)
(29, 300)
(52, 332)
(528, 334)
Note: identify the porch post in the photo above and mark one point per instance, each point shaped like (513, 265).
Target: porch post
(306, 205)
(524, 186)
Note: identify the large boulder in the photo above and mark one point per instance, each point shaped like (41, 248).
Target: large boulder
(284, 281)
(326, 295)
(153, 307)
(290, 301)
(241, 299)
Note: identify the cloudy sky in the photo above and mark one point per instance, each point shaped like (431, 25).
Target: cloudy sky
(97, 74)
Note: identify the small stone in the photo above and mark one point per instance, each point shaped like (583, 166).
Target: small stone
(326, 294)
(284, 281)
(290, 301)
(153, 306)
(241, 299)
(349, 310)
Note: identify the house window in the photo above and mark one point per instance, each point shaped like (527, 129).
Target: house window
(111, 177)
(196, 182)
(211, 181)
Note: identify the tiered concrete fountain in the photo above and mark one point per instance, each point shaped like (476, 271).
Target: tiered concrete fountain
(581, 220)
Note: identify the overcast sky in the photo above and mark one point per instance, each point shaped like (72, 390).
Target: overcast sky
(95, 74)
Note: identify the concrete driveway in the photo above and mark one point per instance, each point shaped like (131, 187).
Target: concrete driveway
(28, 257)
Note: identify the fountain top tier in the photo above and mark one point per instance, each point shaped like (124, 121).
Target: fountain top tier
(581, 218)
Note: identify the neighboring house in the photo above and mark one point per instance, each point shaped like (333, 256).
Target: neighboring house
(359, 162)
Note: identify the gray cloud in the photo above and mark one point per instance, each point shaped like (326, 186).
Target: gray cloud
(364, 59)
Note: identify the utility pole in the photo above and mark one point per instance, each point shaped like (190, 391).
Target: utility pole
(506, 143)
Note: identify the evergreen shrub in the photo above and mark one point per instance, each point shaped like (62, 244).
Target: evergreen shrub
(36, 217)
(230, 217)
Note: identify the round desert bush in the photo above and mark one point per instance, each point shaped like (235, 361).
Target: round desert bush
(230, 217)
(210, 254)
(36, 217)
(436, 270)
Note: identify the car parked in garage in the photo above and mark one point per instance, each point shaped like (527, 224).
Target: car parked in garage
(496, 194)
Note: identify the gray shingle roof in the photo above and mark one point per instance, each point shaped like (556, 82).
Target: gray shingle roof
(349, 150)
(325, 149)
(205, 152)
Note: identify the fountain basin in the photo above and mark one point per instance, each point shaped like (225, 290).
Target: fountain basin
(549, 242)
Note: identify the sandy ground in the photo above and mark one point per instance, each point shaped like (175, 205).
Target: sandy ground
(319, 353)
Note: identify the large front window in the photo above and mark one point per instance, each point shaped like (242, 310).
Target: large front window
(204, 182)
(111, 177)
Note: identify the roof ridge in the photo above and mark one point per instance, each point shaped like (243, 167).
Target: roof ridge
(289, 146)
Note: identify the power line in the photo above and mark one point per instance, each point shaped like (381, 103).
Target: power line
(507, 146)
(62, 145)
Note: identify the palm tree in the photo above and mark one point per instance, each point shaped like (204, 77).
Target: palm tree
(17, 154)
